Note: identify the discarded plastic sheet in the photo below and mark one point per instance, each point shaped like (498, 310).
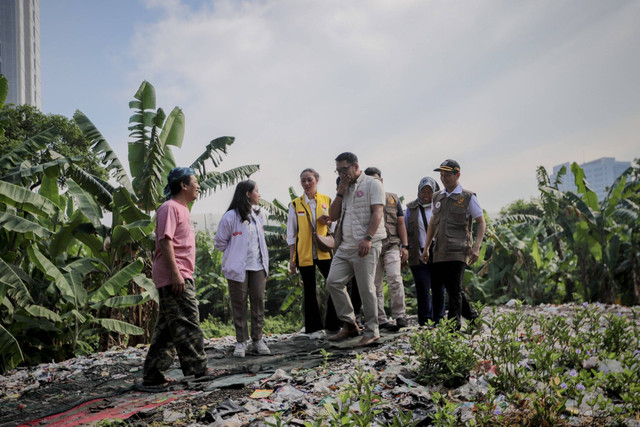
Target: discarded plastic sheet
(261, 394)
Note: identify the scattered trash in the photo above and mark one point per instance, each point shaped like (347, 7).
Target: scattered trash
(590, 363)
(288, 392)
(261, 394)
(610, 366)
(171, 416)
(223, 410)
(407, 381)
(298, 393)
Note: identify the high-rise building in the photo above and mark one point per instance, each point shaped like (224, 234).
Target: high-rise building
(600, 174)
(20, 50)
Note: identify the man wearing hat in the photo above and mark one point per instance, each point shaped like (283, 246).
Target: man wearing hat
(454, 210)
(177, 328)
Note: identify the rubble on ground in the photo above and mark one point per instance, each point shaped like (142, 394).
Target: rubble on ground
(296, 381)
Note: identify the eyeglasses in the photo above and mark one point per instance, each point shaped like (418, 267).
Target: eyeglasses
(343, 170)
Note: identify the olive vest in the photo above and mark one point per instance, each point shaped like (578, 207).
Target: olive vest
(391, 221)
(304, 234)
(452, 223)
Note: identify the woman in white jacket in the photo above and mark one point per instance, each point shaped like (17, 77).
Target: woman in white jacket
(245, 264)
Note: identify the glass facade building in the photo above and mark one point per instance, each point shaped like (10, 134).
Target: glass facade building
(600, 175)
(20, 50)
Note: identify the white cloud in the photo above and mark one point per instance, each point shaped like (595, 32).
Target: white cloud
(501, 86)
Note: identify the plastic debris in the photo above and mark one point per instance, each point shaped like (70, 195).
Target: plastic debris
(261, 394)
(226, 408)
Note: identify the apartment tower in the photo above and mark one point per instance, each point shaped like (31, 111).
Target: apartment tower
(20, 50)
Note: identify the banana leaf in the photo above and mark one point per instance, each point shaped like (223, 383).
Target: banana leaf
(52, 273)
(118, 326)
(10, 351)
(112, 286)
(26, 200)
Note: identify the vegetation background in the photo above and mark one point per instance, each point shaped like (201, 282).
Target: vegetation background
(76, 237)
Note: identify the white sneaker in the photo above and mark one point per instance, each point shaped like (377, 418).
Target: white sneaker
(261, 347)
(318, 335)
(240, 349)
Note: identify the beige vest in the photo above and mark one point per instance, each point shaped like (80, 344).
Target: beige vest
(358, 199)
(452, 223)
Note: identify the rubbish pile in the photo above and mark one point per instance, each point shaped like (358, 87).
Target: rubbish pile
(301, 381)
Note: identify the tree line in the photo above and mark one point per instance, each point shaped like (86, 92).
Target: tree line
(73, 281)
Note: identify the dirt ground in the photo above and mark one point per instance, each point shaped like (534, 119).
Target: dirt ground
(33, 393)
(298, 377)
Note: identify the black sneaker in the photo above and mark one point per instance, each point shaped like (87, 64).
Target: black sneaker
(401, 322)
(389, 327)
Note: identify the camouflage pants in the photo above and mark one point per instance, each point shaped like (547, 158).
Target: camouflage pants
(177, 331)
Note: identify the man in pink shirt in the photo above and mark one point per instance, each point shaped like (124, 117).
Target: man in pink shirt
(177, 329)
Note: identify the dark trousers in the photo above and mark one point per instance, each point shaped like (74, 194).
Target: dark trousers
(424, 290)
(178, 331)
(312, 316)
(449, 275)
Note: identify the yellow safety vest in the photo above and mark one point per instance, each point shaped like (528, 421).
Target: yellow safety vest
(304, 241)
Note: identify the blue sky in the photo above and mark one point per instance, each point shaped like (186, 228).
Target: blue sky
(500, 86)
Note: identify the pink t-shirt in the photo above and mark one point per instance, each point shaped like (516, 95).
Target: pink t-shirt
(173, 222)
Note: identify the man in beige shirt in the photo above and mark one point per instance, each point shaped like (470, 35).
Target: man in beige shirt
(358, 208)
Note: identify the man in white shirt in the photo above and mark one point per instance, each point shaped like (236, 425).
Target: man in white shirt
(358, 206)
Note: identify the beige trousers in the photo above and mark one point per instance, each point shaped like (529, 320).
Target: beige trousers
(345, 264)
(389, 262)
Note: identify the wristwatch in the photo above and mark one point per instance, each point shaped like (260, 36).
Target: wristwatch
(404, 246)
(368, 237)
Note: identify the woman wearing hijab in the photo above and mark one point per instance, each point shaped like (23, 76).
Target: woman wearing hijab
(245, 264)
(417, 217)
(307, 215)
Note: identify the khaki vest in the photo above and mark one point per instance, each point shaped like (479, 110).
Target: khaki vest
(391, 220)
(452, 223)
(304, 240)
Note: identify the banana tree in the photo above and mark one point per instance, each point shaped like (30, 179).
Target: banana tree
(627, 214)
(57, 279)
(56, 274)
(64, 272)
(152, 135)
(596, 236)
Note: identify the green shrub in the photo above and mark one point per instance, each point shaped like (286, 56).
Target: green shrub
(281, 324)
(444, 354)
(215, 328)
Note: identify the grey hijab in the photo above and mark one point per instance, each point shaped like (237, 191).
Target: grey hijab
(427, 181)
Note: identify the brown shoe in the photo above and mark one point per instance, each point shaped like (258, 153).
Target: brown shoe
(365, 341)
(348, 330)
